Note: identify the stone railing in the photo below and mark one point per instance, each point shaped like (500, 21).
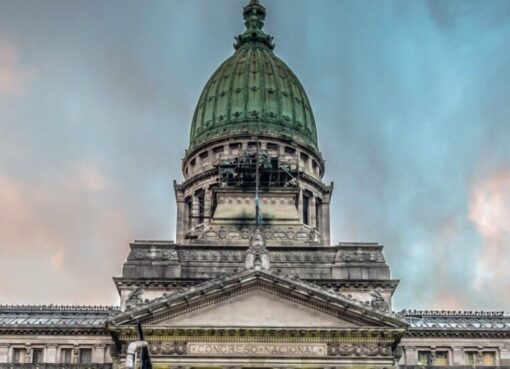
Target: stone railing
(53, 366)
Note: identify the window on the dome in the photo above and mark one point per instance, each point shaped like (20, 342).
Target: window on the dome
(272, 147)
(289, 150)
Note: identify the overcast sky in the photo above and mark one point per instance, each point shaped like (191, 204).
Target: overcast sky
(411, 99)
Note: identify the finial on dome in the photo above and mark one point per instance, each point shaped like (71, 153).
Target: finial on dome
(254, 14)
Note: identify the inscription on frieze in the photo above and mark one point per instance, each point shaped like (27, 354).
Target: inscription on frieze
(257, 349)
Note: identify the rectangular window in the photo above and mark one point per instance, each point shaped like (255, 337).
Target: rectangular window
(306, 210)
(189, 214)
(441, 358)
(85, 356)
(471, 358)
(272, 147)
(318, 214)
(218, 150)
(201, 207)
(37, 355)
(66, 355)
(489, 358)
(18, 355)
(424, 358)
(289, 150)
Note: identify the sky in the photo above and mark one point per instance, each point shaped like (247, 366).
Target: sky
(411, 100)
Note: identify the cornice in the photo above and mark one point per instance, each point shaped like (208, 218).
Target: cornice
(54, 330)
(453, 333)
(236, 334)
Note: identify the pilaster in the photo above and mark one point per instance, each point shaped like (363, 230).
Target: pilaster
(50, 356)
(4, 352)
(98, 354)
(312, 211)
(207, 205)
(194, 211)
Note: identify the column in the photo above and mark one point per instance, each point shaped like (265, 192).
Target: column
(51, 354)
(181, 221)
(194, 211)
(325, 226)
(98, 354)
(411, 355)
(4, 352)
(300, 205)
(457, 356)
(312, 211)
(207, 205)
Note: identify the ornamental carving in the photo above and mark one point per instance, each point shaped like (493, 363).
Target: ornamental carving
(378, 302)
(155, 252)
(360, 255)
(168, 348)
(134, 298)
(257, 256)
(348, 349)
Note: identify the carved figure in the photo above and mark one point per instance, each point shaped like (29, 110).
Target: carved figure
(227, 174)
(134, 298)
(257, 256)
(378, 301)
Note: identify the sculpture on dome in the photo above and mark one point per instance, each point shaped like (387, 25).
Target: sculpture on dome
(257, 256)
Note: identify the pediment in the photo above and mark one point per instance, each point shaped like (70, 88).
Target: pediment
(257, 299)
(256, 308)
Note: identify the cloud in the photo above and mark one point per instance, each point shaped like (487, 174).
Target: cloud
(58, 235)
(489, 211)
(15, 78)
(87, 178)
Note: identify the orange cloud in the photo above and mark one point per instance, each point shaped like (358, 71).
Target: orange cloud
(70, 236)
(87, 178)
(15, 78)
(489, 211)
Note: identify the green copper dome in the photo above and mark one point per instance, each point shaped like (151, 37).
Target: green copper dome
(254, 92)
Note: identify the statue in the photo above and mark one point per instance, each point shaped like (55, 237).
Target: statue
(257, 256)
(134, 298)
(378, 301)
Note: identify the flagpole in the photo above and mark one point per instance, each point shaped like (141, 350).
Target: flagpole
(257, 223)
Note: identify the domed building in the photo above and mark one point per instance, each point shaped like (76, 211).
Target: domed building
(253, 128)
(252, 280)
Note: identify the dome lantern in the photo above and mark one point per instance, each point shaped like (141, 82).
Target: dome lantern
(254, 14)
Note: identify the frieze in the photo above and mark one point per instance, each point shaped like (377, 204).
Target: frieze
(154, 252)
(359, 255)
(168, 348)
(302, 234)
(348, 349)
(208, 255)
(257, 349)
(303, 257)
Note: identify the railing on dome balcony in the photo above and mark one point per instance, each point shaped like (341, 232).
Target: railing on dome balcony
(53, 366)
(273, 170)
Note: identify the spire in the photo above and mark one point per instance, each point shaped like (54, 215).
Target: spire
(254, 14)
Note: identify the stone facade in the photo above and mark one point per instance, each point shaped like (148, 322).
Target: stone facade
(252, 280)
